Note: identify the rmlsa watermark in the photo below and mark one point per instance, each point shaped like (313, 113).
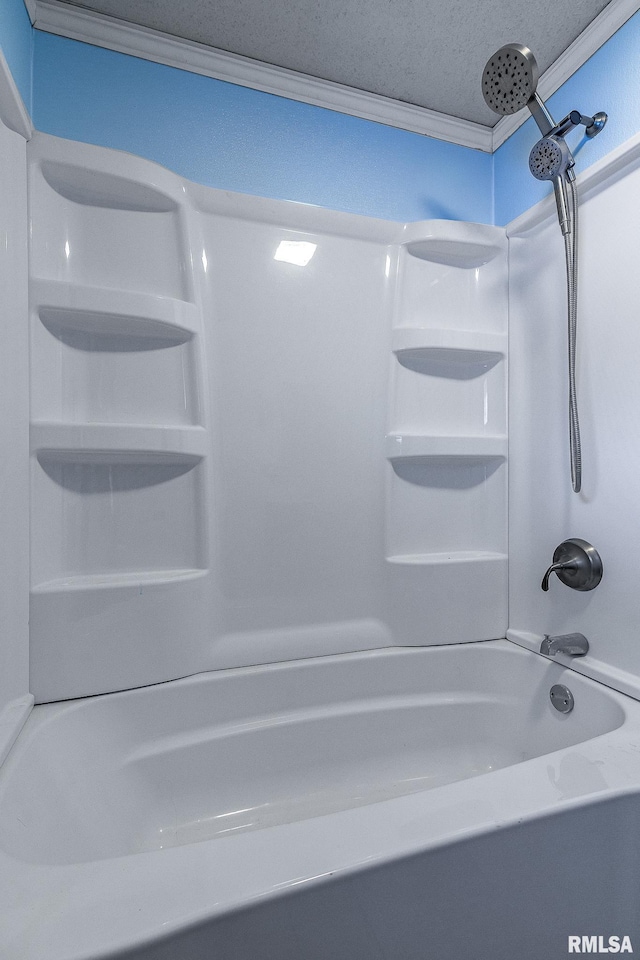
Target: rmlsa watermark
(600, 945)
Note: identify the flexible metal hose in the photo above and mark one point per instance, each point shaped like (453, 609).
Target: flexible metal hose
(571, 256)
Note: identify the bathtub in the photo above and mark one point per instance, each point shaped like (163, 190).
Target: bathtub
(397, 804)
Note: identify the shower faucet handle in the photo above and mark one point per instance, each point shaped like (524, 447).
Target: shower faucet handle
(553, 569)
(577, 564)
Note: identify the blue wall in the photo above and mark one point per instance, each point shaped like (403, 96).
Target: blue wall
(231, 137)
(609, 81)
(16, 42)
(235, 138)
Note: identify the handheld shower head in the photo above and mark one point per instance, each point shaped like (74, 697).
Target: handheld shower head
(510, 78)
(550, 157)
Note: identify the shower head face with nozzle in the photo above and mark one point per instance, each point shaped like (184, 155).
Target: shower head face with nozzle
(549, 158)
(510, 78)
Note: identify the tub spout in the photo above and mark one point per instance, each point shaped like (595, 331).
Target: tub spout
(573, 644)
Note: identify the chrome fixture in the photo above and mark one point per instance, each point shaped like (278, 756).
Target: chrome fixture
(509, 83)
(510, 80)
(577, 564)
(561, 698)
(572, 644)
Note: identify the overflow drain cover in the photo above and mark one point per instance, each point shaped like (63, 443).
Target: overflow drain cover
(561, 697)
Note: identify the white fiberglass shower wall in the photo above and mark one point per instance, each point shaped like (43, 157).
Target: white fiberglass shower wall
(543, 509)
(15, 700)
(237, 457)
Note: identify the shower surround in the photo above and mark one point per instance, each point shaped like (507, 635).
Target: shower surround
(265, 457)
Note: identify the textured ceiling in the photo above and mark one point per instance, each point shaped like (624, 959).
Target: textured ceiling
(425, 52)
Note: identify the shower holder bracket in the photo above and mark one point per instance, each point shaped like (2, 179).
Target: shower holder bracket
(593, 125)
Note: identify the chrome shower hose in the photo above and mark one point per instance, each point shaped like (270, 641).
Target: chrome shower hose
(571, 255)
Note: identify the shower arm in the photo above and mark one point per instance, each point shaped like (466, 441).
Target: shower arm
(541, 115)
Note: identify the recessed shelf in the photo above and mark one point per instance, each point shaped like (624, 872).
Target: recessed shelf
(111, 581)
(419, 348)
(457, 244)
(435, 448)
(96, 227)
(105, 443)
(100, 188)
(100, 318)
(454, 557)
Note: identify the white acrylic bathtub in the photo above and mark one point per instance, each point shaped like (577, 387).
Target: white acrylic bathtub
(409, 803)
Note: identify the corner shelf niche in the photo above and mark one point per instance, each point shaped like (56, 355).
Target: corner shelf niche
(446, 533)
(445, 507)
(454, 253)
(445, 449)
(104, 355)
(99, 186)
(444, 499)
(119, 444)
(96, 224)
(100, 318)
(111, 525)
(115, 505)
(423, 349)
(454, 243)
(453, 275)
(105, 443)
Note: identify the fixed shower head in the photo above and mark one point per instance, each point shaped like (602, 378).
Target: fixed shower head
(550, 157)
(510, 78)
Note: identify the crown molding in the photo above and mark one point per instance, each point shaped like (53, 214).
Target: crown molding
(13, 112)
(31, 9)
(614, 16)
(65, 20)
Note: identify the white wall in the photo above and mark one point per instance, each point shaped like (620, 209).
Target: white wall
(14, 440)
(543, 509)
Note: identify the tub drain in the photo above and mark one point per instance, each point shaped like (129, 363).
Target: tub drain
(561, 697)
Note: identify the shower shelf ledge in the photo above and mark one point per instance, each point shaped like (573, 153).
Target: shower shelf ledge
(112, 581)
(460, 449)
(69, 310)
(108, 443)
(453, 243)
(447, 557)
(146, 188)
(439, 345)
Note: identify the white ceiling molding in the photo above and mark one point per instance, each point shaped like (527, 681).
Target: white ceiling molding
(31, 9)
(99, 30)
(13, 112)
(614, 15)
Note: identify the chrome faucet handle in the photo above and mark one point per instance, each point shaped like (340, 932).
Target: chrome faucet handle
(553, 569)
(577, 564)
